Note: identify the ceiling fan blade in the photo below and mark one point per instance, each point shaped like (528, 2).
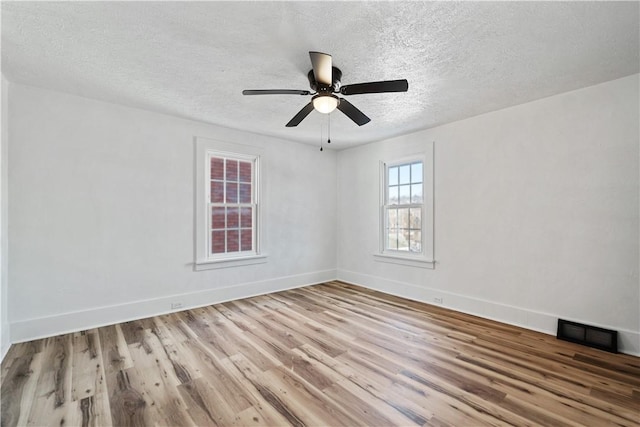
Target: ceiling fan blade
(376, 87)
(300, 116)
(276, 92)
(322, 67)
(352, 112)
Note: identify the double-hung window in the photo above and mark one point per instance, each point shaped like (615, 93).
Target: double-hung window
(232, 205)
(228, 205)
(406, 211)
(403, 208)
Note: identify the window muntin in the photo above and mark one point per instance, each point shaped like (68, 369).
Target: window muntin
(232, 205)
(404, 207)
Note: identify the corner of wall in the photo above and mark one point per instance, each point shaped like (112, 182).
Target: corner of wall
(5, 334)
(31, 329)
(628, 341)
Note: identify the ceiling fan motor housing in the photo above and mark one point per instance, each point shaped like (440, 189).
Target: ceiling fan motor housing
(336, 75)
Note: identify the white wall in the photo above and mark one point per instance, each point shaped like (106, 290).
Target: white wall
(536, 213)
(4, 312)
(102, 214)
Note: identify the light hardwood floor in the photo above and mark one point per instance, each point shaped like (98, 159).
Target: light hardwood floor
(326, 355)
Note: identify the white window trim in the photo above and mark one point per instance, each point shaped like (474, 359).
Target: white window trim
(203, 258)
(426, 258)
(416, 261)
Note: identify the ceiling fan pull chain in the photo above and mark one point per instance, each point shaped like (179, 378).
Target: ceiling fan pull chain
(321, 137)
(329, 130)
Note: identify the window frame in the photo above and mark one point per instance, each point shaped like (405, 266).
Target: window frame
(425, 258)
(205, 149)
(254, 205)
(387, 205)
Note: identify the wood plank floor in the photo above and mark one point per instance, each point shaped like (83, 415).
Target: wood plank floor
(325, 355)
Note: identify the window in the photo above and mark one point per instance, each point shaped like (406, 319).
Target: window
(403, 207)
(406, 211)
(228, 205)
(232, 205)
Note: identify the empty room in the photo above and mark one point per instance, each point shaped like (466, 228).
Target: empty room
(320, 213)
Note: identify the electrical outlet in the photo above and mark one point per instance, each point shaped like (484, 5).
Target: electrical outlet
(175, 305)
(438, 300)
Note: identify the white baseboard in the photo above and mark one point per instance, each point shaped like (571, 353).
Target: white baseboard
(26, 330)
(628, 341)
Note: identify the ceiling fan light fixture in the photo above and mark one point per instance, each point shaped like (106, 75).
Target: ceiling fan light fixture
(325, 103)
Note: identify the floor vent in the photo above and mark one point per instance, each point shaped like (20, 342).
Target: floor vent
(592, 336)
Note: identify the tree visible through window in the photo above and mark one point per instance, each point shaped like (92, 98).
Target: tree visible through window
(403, 207)
(232, 205)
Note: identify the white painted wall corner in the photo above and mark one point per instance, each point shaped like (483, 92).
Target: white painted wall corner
(31, 329)
(628, 341)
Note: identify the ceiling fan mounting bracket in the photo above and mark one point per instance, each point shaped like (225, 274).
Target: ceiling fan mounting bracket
(336, 75)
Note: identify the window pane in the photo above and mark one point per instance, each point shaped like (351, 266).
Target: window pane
(403, 218)
(415, 219)
(217, 168)
(403, 239)
(232, 192)
(416, 193)
(405, 174)
(393, 176)
(416, 172)
(245, 193)
(415, 244)
(232, 170)
(392, 242)
(393, 195)
(233, 241)
(217, 218)
(217, 192)
(233, 217)
(246, 219)
(405, 194)
(392, 218)
(245, 171)
(217, 242)
(246, 239)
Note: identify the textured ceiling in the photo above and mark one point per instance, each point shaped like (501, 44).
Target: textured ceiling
(193, 59)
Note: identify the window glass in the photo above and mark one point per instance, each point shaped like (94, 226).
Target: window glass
(416, 193)
(416, 172)
(232, 205)
(393, 176)
(403, 208)
(245, 193)
(405, 194)
(217, 191)
(245, 171)
(232, 192)
(405, 174)
(393, 195)
(232, 170)
(217, 168)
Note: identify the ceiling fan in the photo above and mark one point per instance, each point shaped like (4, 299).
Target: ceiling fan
(324, 79)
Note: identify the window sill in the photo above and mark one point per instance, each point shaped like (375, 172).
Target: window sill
(405, 260)
(210, 264)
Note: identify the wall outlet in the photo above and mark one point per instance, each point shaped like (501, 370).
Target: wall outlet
(438, 300)
(175, 305)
